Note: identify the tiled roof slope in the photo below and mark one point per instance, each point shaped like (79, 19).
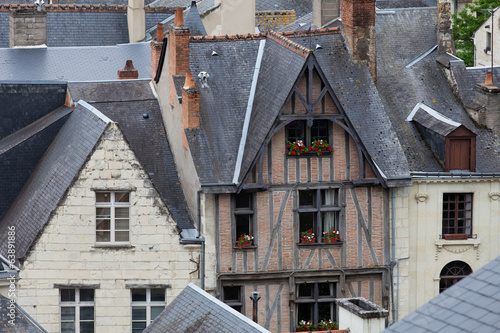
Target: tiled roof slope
(399, 41)
(471, 305)
(126, 102)
(358, 96)
(20, 152)
(195, 311)
(391, 4)
(194, 23)
(73, 63)
(222, 106)
(23, 322)
(467, 77)
(301, 23)
(52, 178)
(301, 7)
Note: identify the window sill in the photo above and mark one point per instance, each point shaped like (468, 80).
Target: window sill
(335, 244)
(253, 247)
(113, 246)
(329, 154)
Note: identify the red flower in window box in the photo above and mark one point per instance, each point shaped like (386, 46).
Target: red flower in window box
(305, 326)
(320, 147)
(331, 236)
(245, 240)
(326, 325)
(307, 237)
(296, 148)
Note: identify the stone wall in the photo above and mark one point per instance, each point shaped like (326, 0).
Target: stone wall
(66, 254)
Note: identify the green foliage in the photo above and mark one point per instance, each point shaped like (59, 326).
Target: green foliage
(465, 24)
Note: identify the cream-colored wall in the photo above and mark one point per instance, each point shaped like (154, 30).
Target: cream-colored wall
(482, 58)
(66, 253)
(212, 22)
(418, 227)
(232, 17)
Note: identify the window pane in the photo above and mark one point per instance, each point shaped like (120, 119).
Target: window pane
(155, 311)
(296, 130)
(319, 130)
(242, 224)
(304, 311)
(157, 295)
(103, 224)
(138, 295)
(306, 198)
(232, 293)
(138, 327)
(121, 212)
(307, 221)
(87, 295)
(67, 295)
(325, 289)
(87, 327)
(103, 212)
(122, 197)
(103, 196)
(139, 313)
(103, 236)
(328, 219)
(244, 200)
(67, 327)
(121, 224)
(67, 313)
(329, 197)
(236, 307)
(87, 313)
(325, 311)
(305, 290)
(121, 236)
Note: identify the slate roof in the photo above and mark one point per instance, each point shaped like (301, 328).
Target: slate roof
(402, 36)
(193, 22)
(51, 178)
(73, 63)
(126, 102)
(28, 126)
(471, 305)
(301, 23)
(195, 311)
(301, 7)
(468, 77)
(391, 4)
(23, 322)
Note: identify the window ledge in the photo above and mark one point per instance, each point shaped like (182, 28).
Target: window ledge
(336, 244)
(329, 154)
(458, 246)
(253, 247)
(113, 246)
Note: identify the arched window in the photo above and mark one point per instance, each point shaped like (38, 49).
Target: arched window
(452, 273)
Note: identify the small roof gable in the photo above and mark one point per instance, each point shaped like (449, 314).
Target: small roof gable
(432, 120)
(23, 322)
(195, 311)
(471, 305)
(52, 177)
(193, 21)
(134, 107)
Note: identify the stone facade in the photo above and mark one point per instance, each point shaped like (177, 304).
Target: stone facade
(27, 27)
(66, 254)
(418, 223)
(484, 46)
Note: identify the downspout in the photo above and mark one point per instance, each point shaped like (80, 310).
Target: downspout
(393, 262)
(202, 259)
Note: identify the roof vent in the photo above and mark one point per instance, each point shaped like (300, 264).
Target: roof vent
(204, 79)
(215, 54)
(319, 47)
(302, 24)
(145, 115)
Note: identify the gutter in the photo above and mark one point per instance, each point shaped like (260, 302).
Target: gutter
(460, 174)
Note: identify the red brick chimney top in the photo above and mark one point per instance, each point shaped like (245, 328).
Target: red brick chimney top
(489, 79)
(179, 17)
(189, 83)
(159, 32)
(128, 72)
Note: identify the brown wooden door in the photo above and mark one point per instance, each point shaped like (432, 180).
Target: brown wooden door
(460, 154)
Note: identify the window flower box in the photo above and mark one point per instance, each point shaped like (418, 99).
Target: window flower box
(245, 241)
(296, 148)
(331, 236)
(307, 237)
(320, 147)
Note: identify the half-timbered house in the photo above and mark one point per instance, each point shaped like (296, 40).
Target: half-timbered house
(245, 131)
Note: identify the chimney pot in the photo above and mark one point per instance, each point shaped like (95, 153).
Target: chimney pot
(489, 79)
(128, 72)
(179, 17)
(159, 32)
(189, 83)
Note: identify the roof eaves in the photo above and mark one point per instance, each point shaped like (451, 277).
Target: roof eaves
(433, 113)
(95, 111)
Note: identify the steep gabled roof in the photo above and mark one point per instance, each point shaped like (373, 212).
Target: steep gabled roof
(195, 311)
(193, 22)
(134, 107)
(471, 305)
(52, 177)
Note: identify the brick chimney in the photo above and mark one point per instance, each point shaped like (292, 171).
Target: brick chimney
(485, 108)
(156, 46)
(179, 50)
(128, 72)
(27, 27)
(325, 11)
(358, 26)
(444, 31)
(190, 106)
(136, 20)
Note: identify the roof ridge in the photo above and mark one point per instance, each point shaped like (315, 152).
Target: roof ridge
(289, 44)
(87, 8)
(224, 38)
(315, 32)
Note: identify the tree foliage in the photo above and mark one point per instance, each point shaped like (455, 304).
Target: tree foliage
(465, 24)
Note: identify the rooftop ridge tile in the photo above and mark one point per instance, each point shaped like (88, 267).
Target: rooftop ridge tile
(88, 8)
(224, 38)
(289, 44)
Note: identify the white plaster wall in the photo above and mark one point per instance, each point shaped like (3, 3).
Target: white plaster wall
(482, 58)
(66, 252)
(232, 17)
(419, 275)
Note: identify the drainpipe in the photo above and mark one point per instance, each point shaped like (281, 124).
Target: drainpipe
(202, 259)
(393, 262)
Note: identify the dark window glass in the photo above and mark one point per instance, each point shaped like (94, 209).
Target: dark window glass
(457, 213)
(231, 295)
(67, 295)
(452, 273)
(316, 301)
(317, 216)
(296, 131)
(138, 295)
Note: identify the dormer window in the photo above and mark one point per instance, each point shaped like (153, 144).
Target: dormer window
(298, 131)
(460, 150)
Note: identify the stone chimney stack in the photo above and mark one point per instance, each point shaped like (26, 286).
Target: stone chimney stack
(190, 106)
(485, 108)
(444, 31)
(27, 27)
(358, 26)
(179, 50)
(128, 72)
(156, 47)
(360, 315)
(325, 11)
(136, 20)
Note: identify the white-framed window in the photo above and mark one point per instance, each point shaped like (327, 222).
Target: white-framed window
(77, 310)
(112, 216)
(147, 304)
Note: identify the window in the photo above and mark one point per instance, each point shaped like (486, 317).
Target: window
(488, 42)
(243, 213)
(147, 304)
(318, 211)
(452, 273)
(232, 297)
(316, 301)
(457, 214)
(112, 217)
(77, 310)
(298, 130)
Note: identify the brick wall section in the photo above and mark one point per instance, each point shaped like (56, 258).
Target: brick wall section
(27, 27)
(190, 107)
(128, 72)
(179, 53)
